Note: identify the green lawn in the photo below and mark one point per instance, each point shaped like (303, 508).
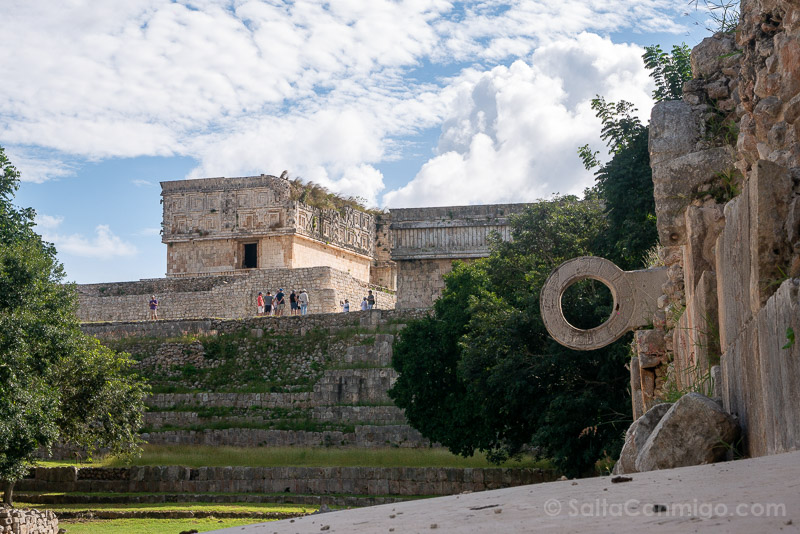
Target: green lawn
(202, 456)
(168, 507)
(150, 526)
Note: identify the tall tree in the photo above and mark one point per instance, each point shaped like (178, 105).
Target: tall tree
(57, 384)
(483, 373)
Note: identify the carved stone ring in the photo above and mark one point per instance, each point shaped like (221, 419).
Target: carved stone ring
(634, 292)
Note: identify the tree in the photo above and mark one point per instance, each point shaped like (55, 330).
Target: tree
(483, 374)
(56, 383)
(625, 183)
(669, 71)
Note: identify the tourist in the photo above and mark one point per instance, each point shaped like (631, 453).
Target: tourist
(371, 299)
(279, 302)
(153, 308)
(364, 304)
(268, 303)
(303, 300)
(260, 303)
(346, 306)
(294, 307)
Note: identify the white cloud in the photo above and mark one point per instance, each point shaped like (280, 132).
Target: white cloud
(35, 168)
(141, 183)
(47, 222)
(249, 86)
(104, 244)
(511, 134)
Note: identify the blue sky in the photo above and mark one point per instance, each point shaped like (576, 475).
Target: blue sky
(404, 103)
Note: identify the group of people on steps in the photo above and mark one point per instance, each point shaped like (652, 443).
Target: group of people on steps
(275, 305)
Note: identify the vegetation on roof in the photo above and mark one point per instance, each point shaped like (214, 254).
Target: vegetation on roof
(320, 197)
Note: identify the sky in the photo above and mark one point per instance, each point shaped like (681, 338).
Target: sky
(403, 103)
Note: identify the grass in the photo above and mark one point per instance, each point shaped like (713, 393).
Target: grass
(179, 507)
(150, 526)
(203, 456)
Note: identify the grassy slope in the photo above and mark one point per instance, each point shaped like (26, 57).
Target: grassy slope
(201, 456)
(151, 526)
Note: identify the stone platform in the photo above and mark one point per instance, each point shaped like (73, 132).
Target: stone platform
(753, 495)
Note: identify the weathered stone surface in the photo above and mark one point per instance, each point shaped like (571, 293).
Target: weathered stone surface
(650, 342)
(694, 431)
(770, 188)
(637, 289)
(676, 181)
(674, 130)
(703, 226)
(733, 270)
(24, 521)
(636, 389)
(712, 55)
(636, 436)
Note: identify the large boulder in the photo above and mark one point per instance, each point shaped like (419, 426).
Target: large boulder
(695, 430)
(636, 437)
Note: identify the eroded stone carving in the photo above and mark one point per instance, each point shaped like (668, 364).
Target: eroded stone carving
(634, 292)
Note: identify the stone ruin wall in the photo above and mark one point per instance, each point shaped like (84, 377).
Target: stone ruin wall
(231, 295)
(726, 173)
(426, 241)
(373, 481)
(351, 390)
(207, 222)
(22, 521)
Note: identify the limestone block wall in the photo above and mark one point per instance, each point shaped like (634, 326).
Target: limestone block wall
(726, 169)
(207, 222)
(22, 521)
(420, 282)
(333, 372)
(221, 296)
(215, 256)
(310, 253)
(364, 437)
(425, 241)
(355, 386)
(285, 326)
(294, 480)
(384, 270)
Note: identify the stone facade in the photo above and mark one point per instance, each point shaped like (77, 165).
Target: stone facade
(228, 295)
(22, 521)
(217, 225)
(228, 238)
(426, 241)
(726, 168)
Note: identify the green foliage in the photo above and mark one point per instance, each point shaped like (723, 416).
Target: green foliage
(789, 338)
(55, 382)
(483, 373)
(721, 127)
(695, 379)
(669, 70)
(725, 186)
(217, 456)
(724, 14)
(318, 196)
